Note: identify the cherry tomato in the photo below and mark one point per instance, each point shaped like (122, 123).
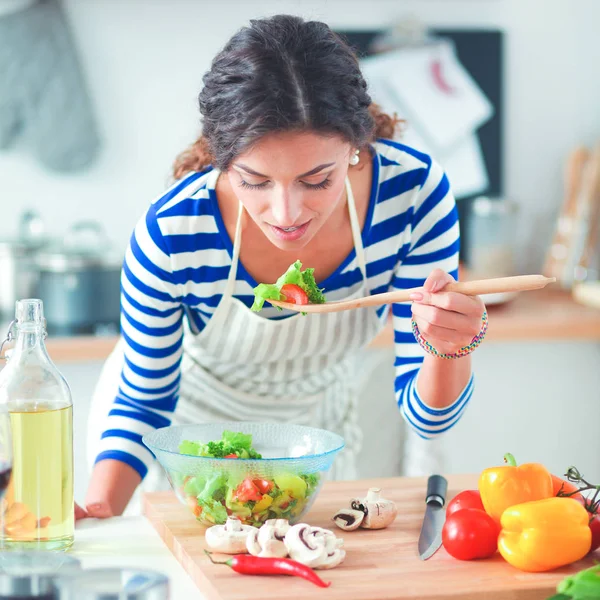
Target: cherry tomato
(470, 533)
(231, 456)
(567, 487)
(247, 491)
(466, 499)
(263, 485)
(595, 527)
(294, 294)
(193, 504)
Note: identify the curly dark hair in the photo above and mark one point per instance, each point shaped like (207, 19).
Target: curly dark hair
(282, 74)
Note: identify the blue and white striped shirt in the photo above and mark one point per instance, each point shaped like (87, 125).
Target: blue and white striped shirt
(180, 254)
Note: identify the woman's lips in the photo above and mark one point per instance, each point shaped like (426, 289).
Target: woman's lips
(290, 234)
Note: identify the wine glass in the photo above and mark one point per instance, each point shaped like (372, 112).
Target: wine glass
(6, 454)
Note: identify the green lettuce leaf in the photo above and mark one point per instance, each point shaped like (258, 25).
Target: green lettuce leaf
(213, 509)
(294, 275)
(265, 291)
(194, 486)
(314, 293)
(215, 483)
(191, 448)
(231, 443)
(239, 441)
(312, 481)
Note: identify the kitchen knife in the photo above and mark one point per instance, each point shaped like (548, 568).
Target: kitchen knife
(435, 517)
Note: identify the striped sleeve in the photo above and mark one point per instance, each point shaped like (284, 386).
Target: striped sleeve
(152, 330)
(434, 243)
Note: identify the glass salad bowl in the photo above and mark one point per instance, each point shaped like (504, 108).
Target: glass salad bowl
(214, 468)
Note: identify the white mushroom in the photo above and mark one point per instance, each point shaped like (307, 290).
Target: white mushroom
(314, 547)
(379, 512)
(348, 519)
(229, 538)
(268, 540)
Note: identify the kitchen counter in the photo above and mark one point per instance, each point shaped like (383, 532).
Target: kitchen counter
(130, 542)
(548, 314)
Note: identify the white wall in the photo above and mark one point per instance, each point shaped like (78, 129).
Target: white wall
(144, 61)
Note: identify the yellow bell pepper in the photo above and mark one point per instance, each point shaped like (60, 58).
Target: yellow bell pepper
(262, 504)
(503, 487)
(544, 535)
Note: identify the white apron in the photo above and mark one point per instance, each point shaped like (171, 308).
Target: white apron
(244, 367)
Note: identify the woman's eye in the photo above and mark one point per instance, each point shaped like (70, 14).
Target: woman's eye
(253, 186)
(318, 186)
(313, 186)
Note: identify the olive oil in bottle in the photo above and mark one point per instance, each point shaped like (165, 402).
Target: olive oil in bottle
(36, 512)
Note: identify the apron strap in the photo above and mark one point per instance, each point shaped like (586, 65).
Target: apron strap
(211, 184)
(235, 257)
(356, 233)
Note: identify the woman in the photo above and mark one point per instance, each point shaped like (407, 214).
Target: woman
(294, 162)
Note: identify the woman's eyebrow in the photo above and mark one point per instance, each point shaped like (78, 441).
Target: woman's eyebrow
(307, 174)
(316, 170)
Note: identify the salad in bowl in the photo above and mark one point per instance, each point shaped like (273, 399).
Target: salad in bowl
(254, 471)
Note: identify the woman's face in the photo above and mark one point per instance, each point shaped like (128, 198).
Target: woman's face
(291, 183)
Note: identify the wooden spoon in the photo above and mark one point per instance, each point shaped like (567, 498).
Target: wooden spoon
(519, 283)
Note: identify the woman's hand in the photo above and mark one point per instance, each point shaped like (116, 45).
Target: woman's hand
(93, 511)
(79, 512)
(447, 320)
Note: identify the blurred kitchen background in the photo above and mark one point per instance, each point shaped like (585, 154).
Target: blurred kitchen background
(97, 97)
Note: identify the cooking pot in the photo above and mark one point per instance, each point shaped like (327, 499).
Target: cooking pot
(113, 584)
(17, 268)
(79, 282)
(31, 575)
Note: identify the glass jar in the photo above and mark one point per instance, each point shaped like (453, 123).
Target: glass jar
(491, 229)
(39, 505)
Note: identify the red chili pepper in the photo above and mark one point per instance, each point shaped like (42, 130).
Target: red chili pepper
(255, 565)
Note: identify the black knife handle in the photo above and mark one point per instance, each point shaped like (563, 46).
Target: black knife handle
(437, 486)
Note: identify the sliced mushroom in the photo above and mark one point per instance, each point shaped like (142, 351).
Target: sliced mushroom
(348, 519)
(302, 546)
(379, 512)
(268, 540)
(229, 538)
(314, 547)
(333, 547)
(277, 528)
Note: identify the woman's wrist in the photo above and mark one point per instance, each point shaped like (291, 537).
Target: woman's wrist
(451, 353)
(111, 486)
(440, 383)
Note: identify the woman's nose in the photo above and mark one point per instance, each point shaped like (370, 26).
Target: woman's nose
(286, 208)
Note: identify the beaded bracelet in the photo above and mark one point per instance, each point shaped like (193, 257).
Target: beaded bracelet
(460, 353)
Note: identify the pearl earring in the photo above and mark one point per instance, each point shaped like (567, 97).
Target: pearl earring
(354, 159)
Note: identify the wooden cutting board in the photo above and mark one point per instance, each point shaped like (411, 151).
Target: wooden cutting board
(379, 565)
